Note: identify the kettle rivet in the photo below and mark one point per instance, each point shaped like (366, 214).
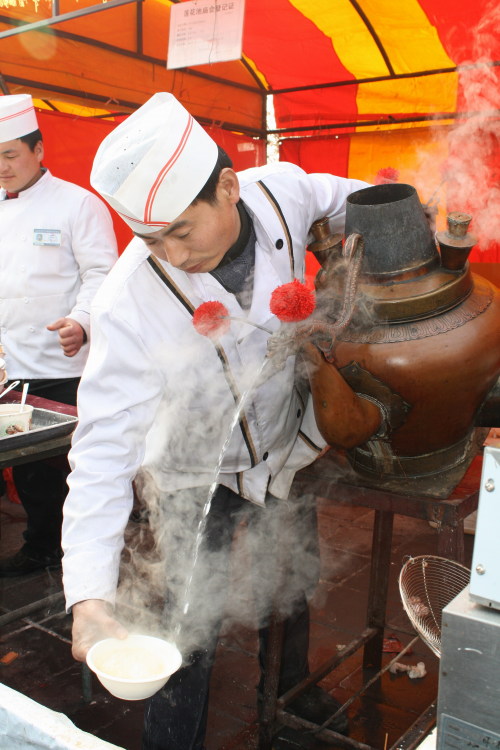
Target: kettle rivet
(489, 485)
(480, 570)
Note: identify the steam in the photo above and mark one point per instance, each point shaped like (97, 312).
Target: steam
(458, 169)
(237, 584)
(471, 170)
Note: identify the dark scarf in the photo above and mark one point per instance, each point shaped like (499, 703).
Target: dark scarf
(235, 271)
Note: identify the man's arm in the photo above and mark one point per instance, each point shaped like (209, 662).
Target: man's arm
(94, 248)
(330, 195)
(118, 397)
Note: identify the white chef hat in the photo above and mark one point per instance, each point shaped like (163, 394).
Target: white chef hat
(17, 116)
(153, 165)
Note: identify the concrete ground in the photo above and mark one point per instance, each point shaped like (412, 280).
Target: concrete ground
(35, 657)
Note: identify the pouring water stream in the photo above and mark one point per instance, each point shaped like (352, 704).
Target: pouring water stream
(208, 502)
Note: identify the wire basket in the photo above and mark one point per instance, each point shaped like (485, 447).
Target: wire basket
(427, 584)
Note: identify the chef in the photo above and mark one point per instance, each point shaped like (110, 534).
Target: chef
(157, 399)
(56, 246)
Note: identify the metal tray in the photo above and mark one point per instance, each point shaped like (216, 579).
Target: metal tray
(45, 425)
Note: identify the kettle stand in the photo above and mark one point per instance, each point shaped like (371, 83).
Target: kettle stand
(321, 478)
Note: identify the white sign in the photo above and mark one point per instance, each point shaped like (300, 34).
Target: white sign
(205, 31)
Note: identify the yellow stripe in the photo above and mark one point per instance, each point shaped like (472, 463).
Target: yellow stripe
(259, 74)
(72, 109)
(411, 43)
(407, 35)
(426, 95)
(351, 39)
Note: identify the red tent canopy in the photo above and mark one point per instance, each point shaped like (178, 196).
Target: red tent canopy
(357, 85)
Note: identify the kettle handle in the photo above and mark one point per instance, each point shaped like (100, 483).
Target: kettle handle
(318, 330)
(352, 256)
(353, 253)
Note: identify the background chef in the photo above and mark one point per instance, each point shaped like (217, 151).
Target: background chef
(56, 246)
(157, 395)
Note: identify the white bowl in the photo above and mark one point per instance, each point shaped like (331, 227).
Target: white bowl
(135, 667)
(13, 419)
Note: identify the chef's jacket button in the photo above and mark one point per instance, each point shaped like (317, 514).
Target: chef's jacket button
(32, 329)
(264, 457)
(23, 268)
(23, 237)
(279, 244)
(26, 300)
(299, 413)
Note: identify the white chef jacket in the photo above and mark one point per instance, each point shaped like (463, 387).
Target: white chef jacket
(156, 394)
(56, 246)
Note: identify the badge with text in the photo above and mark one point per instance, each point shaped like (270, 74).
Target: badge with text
(47, 237)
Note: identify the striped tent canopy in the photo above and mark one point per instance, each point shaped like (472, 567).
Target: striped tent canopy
(377, 89)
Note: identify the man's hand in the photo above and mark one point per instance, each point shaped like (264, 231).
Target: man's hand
(92, 621)
(71, 335)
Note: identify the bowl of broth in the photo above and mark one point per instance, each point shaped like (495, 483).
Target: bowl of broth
(135, 667)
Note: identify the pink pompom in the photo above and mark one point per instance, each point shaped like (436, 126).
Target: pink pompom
(292, 302)
(211, 319)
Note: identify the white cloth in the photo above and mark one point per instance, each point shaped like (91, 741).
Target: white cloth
(154, 393)
(56, 246)
(27, 725)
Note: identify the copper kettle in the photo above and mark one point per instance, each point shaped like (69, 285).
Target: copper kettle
(423, 342)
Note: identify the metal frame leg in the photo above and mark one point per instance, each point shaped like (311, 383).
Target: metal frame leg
(271, 681)
(378, 587)
(86, 684)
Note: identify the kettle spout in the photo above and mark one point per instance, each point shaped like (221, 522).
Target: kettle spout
(489, 412)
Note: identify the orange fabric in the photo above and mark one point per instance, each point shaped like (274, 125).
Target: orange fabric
(333, 66)
(286, 43)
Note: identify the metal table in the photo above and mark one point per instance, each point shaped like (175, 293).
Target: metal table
(43, 449)
(322, 479)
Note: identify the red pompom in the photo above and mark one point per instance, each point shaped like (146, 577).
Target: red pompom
(292, 302)
(385, 175)
(211, 319)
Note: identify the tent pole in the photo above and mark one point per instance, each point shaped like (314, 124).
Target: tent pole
(65, 17)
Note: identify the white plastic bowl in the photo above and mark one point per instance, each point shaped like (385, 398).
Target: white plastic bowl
(135, 667)
(13, 419)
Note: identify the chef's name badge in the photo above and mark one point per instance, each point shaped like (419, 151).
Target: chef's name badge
(47, 237)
